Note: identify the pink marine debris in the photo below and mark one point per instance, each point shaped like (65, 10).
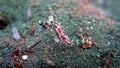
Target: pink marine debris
(16, 35)
(29, 13)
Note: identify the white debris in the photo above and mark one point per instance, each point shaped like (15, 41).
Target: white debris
(98, 55)
(91, 27)
(24, 57)
(87, 28)
(108, 43)
(51, 18)
(39, 21)
(16, 35)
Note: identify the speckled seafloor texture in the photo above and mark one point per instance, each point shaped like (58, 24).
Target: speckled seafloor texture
(49, 53)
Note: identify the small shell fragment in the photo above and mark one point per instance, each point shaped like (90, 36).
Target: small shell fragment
(24, 57)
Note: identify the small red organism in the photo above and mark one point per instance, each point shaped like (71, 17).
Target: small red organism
(19, 64)
(105, 63)
(15, 54)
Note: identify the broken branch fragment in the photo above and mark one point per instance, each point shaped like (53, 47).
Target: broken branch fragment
(32, 46)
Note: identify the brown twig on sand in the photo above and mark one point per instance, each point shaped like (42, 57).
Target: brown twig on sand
(32, 28)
